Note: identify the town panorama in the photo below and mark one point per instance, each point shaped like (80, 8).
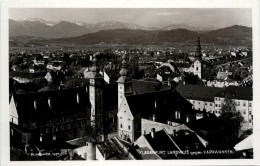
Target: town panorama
(113, 90)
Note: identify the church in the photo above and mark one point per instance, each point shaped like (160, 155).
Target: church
(196, 67)
(159, 105)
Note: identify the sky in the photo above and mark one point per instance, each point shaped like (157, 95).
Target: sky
(149, 17)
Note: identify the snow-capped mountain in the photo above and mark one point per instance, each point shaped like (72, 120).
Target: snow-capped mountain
(29, 19)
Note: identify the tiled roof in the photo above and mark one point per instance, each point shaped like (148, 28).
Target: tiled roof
(167, 101)
(141, 86)
(187, 139)
(162, 143)
(198, 92)
(115, 149)
(62, 101)
(237, 92)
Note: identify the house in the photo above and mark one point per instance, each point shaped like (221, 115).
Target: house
(54, 65)
(133, 105)
(201, 97)
(224, 75)
(63, 114)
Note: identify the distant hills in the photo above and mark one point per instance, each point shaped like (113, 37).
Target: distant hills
(231, 35)
(123, 33)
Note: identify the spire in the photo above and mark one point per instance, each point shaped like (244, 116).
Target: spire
(123, 71)
(94, 67)
(198, 49)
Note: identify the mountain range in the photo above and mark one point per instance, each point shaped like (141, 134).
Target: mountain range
(123, 33)
(51, 29)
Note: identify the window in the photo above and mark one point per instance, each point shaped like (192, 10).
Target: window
(244, 112)
(216, 105)
(250, 104)
(250, 112)
(206, 103)
(69, 126)
(238, 103)
(199, 102)
(244, 104)
(129, 127)
(197, 68)
(210, 104)
(121, 125)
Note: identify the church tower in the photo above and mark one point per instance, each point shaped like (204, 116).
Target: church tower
(198, 59)
(124, 82)
(96, 82)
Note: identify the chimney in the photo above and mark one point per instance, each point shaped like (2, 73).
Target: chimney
(187, 119)
(78, 98)
(35, 104)
(154, 117)
(174, 133)
(50, 102)
(41, 138)
(153, 133)
(91, 151)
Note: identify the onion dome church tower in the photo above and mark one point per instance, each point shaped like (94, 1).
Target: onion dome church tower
(124, 82)
(96, 82)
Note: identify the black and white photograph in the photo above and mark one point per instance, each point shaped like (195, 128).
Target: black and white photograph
(125, 83)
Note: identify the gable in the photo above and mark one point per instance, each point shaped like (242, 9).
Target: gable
(12, 109)
(124, 110)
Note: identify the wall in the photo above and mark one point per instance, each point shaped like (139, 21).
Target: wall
(125, 120)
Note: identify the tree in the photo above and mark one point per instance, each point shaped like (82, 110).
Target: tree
(229, 113)
(90, 134)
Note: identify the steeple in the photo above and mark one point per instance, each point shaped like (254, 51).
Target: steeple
(124, 82)
(198, 54)
(96, 82)
(123, 71)
(95, 68)
(94, 71)
(198, 59)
